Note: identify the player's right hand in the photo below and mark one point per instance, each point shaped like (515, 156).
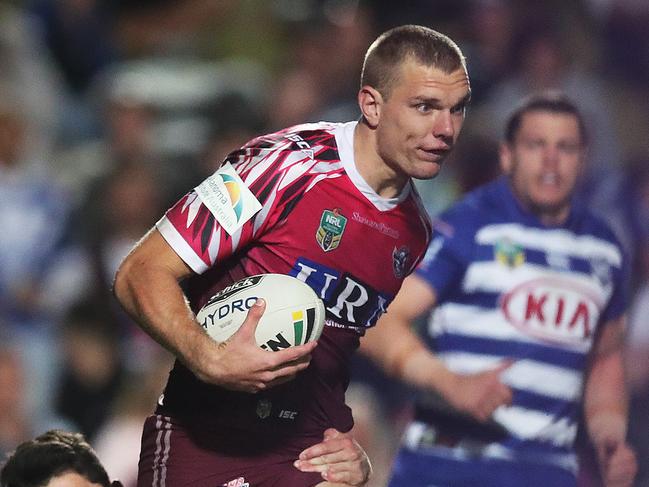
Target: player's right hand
(479, 395)
(239, 364)
(617, 462)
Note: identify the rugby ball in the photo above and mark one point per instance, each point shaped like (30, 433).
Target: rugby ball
(294, 313)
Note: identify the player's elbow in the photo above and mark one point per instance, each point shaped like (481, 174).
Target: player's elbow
(123, 280)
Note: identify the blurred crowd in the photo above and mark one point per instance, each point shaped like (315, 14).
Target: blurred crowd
(111, 109)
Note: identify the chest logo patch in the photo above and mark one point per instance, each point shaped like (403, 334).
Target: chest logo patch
(331, 229)
(400, 261)
(556, 310)
(509, 253)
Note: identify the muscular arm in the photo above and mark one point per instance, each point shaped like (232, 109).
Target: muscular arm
(605, 393)
(606, 406)
(395, 346)
(150, 271)
(147, 286)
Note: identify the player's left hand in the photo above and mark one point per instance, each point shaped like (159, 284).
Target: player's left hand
(617, 463)
(339, 459)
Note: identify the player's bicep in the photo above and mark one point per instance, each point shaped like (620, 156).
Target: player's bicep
(153, 251)
(610, 337)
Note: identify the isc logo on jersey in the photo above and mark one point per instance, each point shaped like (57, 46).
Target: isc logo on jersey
(552, 309)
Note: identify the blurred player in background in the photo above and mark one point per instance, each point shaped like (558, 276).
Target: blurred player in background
(529, 295)
(55, 459)
(332, 204)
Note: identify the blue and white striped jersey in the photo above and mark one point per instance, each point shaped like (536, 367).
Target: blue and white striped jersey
(509, 287)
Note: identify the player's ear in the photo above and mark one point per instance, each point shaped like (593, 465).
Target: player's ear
(370, 102)
(505, 156)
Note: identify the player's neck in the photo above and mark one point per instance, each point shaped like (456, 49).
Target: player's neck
(550, 217)
(369, 164)
(554, 219)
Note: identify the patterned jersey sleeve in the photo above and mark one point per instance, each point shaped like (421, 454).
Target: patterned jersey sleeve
(256, 187)
(446, 259)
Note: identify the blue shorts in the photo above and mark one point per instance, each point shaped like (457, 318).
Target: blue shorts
(426, 469)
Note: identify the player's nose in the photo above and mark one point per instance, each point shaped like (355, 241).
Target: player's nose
(550, 156)
(443, 126)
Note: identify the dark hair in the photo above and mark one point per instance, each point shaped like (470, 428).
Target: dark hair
(36, 462)
(393, 47)
(548, 101)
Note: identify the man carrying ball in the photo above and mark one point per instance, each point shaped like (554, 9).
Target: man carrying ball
(331, 204)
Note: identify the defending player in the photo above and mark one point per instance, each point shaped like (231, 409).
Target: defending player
(55, 458)
(332, 204)
(530, 303)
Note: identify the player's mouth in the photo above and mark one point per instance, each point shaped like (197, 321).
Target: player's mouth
(433, 155)
(550, 179)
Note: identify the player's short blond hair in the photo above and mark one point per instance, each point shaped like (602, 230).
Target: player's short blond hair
(421, 44)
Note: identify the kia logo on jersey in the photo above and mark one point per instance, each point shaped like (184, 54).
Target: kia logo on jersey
(553, 309)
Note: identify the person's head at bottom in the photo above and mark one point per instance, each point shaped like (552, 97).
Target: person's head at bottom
(55, 459)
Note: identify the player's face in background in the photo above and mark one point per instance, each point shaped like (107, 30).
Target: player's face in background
(544, 162)
(421, 119)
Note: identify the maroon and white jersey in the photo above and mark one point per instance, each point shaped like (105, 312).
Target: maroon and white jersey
(293, 203)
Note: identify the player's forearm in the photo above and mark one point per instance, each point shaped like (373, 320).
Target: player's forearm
(154, 299)
(403, 355)
(424, 370)
(605, 400)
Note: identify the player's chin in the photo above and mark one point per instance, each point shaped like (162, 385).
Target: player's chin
(425, 170)
(550, 206)
(426, 164)
(551, 200)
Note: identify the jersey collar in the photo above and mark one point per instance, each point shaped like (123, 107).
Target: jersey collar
(520, 213)
(344, 134)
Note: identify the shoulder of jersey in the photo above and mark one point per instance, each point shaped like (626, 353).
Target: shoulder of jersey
(467, 214)
(285, 135)
(308, 149)
(593, 223)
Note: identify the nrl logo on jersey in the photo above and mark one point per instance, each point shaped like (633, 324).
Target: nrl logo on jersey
(330, 231)
(400, 261)
(509, 253)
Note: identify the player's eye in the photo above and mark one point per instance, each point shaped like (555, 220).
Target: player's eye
(423, 107)
(533, 143)
(569, 147)
(460, 108)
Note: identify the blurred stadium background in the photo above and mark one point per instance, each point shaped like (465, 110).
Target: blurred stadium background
(112, 109)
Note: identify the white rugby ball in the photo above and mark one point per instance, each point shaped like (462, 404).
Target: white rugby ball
(294, 313)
